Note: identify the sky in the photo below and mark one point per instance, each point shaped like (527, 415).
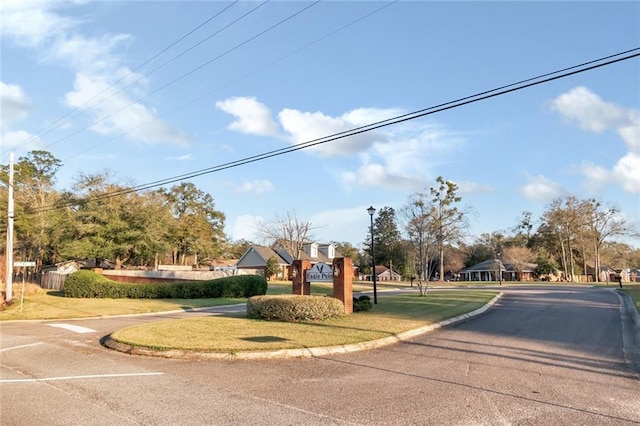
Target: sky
(149, 90)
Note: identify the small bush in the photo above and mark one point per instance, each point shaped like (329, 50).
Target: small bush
(88, 284)
(294, 308)
(362, 303)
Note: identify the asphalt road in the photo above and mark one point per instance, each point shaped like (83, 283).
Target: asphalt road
(538, 357)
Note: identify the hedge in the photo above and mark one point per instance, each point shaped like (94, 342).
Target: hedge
(293, 308)
(88, 284)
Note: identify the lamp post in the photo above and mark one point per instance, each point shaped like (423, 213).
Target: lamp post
(499, 268)
(371, 211)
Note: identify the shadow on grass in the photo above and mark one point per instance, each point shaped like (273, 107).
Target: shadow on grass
(265, 339)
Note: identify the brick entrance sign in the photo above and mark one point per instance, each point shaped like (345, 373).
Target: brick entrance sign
(342, 280)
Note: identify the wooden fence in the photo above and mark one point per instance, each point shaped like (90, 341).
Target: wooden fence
(53, 280)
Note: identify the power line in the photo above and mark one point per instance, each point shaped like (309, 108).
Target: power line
(502, 90)
(188, 73)
(252, 72)
(63, 119)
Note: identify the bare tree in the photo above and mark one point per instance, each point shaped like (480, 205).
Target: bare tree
(288, 231)
(518, 257)
(603, 224)
(420, 231)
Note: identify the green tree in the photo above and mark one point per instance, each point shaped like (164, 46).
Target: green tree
(272, 268)
(198, 228)
(346, 249)
(108, 221)
(34, 195)
(545, 266)
(235, 249)
(387, 239)
(449, 221)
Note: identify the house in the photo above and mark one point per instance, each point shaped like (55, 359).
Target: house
(483, 271)
(496, 270)
(383, 274)
(312, 252)
(255, 260)
(256, 257)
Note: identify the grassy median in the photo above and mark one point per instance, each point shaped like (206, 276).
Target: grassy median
(393, 314)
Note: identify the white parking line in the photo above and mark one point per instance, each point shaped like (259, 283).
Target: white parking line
(92, 376)
(74, 328)
(21, 346)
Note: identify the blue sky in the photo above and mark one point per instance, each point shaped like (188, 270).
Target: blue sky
(77, 80)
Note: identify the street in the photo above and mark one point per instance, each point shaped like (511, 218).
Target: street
(543, 355)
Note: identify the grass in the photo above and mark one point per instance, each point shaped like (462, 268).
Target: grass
(392, 315)
(634, 292)
(42, 304)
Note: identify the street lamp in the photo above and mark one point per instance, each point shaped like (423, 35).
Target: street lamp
(499, 268)
(371, 211)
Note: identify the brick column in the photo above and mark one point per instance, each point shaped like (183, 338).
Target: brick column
(343, 282)
(300, 284)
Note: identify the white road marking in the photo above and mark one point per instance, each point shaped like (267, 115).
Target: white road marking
(74, 328)
(20, 347)
(92, 376)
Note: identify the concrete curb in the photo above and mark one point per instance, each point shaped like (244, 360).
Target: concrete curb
(294, 353)
(630, 321)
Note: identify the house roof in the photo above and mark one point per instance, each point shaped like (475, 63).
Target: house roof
(492, 265)
(381, 269)
(257, 257)
(487, 265)
(304, 255)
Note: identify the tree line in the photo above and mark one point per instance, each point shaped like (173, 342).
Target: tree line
(427, 238)
(88, 221)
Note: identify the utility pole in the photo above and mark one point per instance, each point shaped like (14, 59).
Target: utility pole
(9, 251)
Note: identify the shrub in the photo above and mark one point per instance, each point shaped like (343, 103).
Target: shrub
(90, 284)
(294, 308)
(362, 303)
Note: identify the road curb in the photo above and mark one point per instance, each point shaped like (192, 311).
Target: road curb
(110, 343)
(630, 321)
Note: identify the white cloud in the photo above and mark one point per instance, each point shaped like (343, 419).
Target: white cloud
(593, 114)
(540, 188)
(350, 224)
(474, 187)
(41, 25)
(19, 138)
(255, 187)
(596, 175)
(627, 173)
(630, 133)
(30, 23)
(14, 104)
(185, 157)
(406, 159)
(252, 117)
(117, 114)
(376, 175)
(400, 157)
(245, 227)
(87, 54)
(589, 110)
(309, 126)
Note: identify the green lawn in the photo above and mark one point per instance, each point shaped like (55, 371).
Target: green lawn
(634, 291)
(392, 315)
(46, 304)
